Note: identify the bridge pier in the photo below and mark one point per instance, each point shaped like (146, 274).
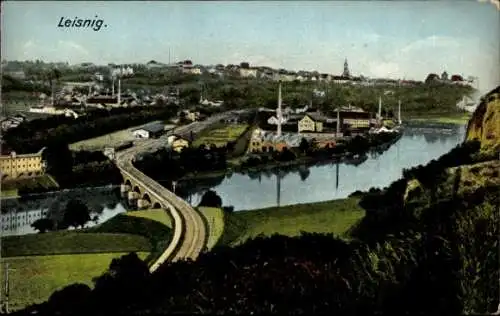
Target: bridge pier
(142, 203)
(132, 195)
(124, 188)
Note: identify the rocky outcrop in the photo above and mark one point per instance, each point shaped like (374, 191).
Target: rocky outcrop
(485, 123)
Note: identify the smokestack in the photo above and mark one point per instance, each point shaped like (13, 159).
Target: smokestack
(113, 88)
(338, 122)
(119, 92)
(399, 112)
(279, 110)
(379, 114)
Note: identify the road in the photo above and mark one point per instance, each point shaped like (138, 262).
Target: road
(189, 238)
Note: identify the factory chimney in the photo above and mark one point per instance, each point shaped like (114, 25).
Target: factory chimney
(119, 92)
(279, 114)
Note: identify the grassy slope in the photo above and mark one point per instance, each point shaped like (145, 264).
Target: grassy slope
(34, 278)
(335, 217)
(157, 233)
(71, 242)
(158, 215)
(215, 222)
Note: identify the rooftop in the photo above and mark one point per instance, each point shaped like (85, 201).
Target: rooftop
(153, 127)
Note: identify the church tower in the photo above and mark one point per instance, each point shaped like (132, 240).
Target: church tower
(346, 72)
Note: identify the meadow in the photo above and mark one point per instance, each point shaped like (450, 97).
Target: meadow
(34, 278)
(335, 217)
(214, 218)
(72, 242)
(44, 263)
(220, 136)
(458, 118)
(108, 140)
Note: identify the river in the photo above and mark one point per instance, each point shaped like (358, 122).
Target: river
(18, 214)
(418, 145)
(327, 181)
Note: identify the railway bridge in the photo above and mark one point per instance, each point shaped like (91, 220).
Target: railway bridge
(189, 229)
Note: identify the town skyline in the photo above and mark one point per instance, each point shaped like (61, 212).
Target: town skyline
(416, 38)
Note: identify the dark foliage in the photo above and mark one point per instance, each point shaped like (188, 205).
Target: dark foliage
(210, 199)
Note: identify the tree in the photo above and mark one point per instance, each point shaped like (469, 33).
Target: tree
(210, 199)
(244, 65)
(76, 214)
(124, 284)
(304, 145)
(431, 78)
(43, 225)
(70, 299)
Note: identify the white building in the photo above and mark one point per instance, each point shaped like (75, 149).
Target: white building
(248, 73)
(151, 130)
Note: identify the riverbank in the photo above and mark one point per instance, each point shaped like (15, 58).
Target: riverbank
(330, 217)
(436, 118)
(235, 165)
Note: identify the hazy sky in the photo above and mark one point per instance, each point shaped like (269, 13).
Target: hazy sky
(391, 39)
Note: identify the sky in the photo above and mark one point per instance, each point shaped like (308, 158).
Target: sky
(393, 39)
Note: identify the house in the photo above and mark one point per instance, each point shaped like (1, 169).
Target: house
(152, 130)
(192, 116)
(248, 72)
(191, 70)
(263, 141)
(355, 118)
(177, 142)
(311, 122)
(273, 120)
(15, 166)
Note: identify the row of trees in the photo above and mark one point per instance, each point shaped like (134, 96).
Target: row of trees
(189, 160)
(31, 136)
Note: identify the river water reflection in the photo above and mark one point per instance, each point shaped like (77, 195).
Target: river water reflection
(18, 214)
(327, 181)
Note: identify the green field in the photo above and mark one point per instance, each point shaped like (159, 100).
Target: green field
(215, 223)
(335, 217)
(158, 215)
(33, 279)
(12, 193)
(108, 140)
(72, 242)
(157, 232)
(220, 136)
(450, 118)
(44, 263)
(45, 181)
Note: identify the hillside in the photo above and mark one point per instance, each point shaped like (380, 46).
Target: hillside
(484, 127)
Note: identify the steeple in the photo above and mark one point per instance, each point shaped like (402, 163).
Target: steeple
(346, 72)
